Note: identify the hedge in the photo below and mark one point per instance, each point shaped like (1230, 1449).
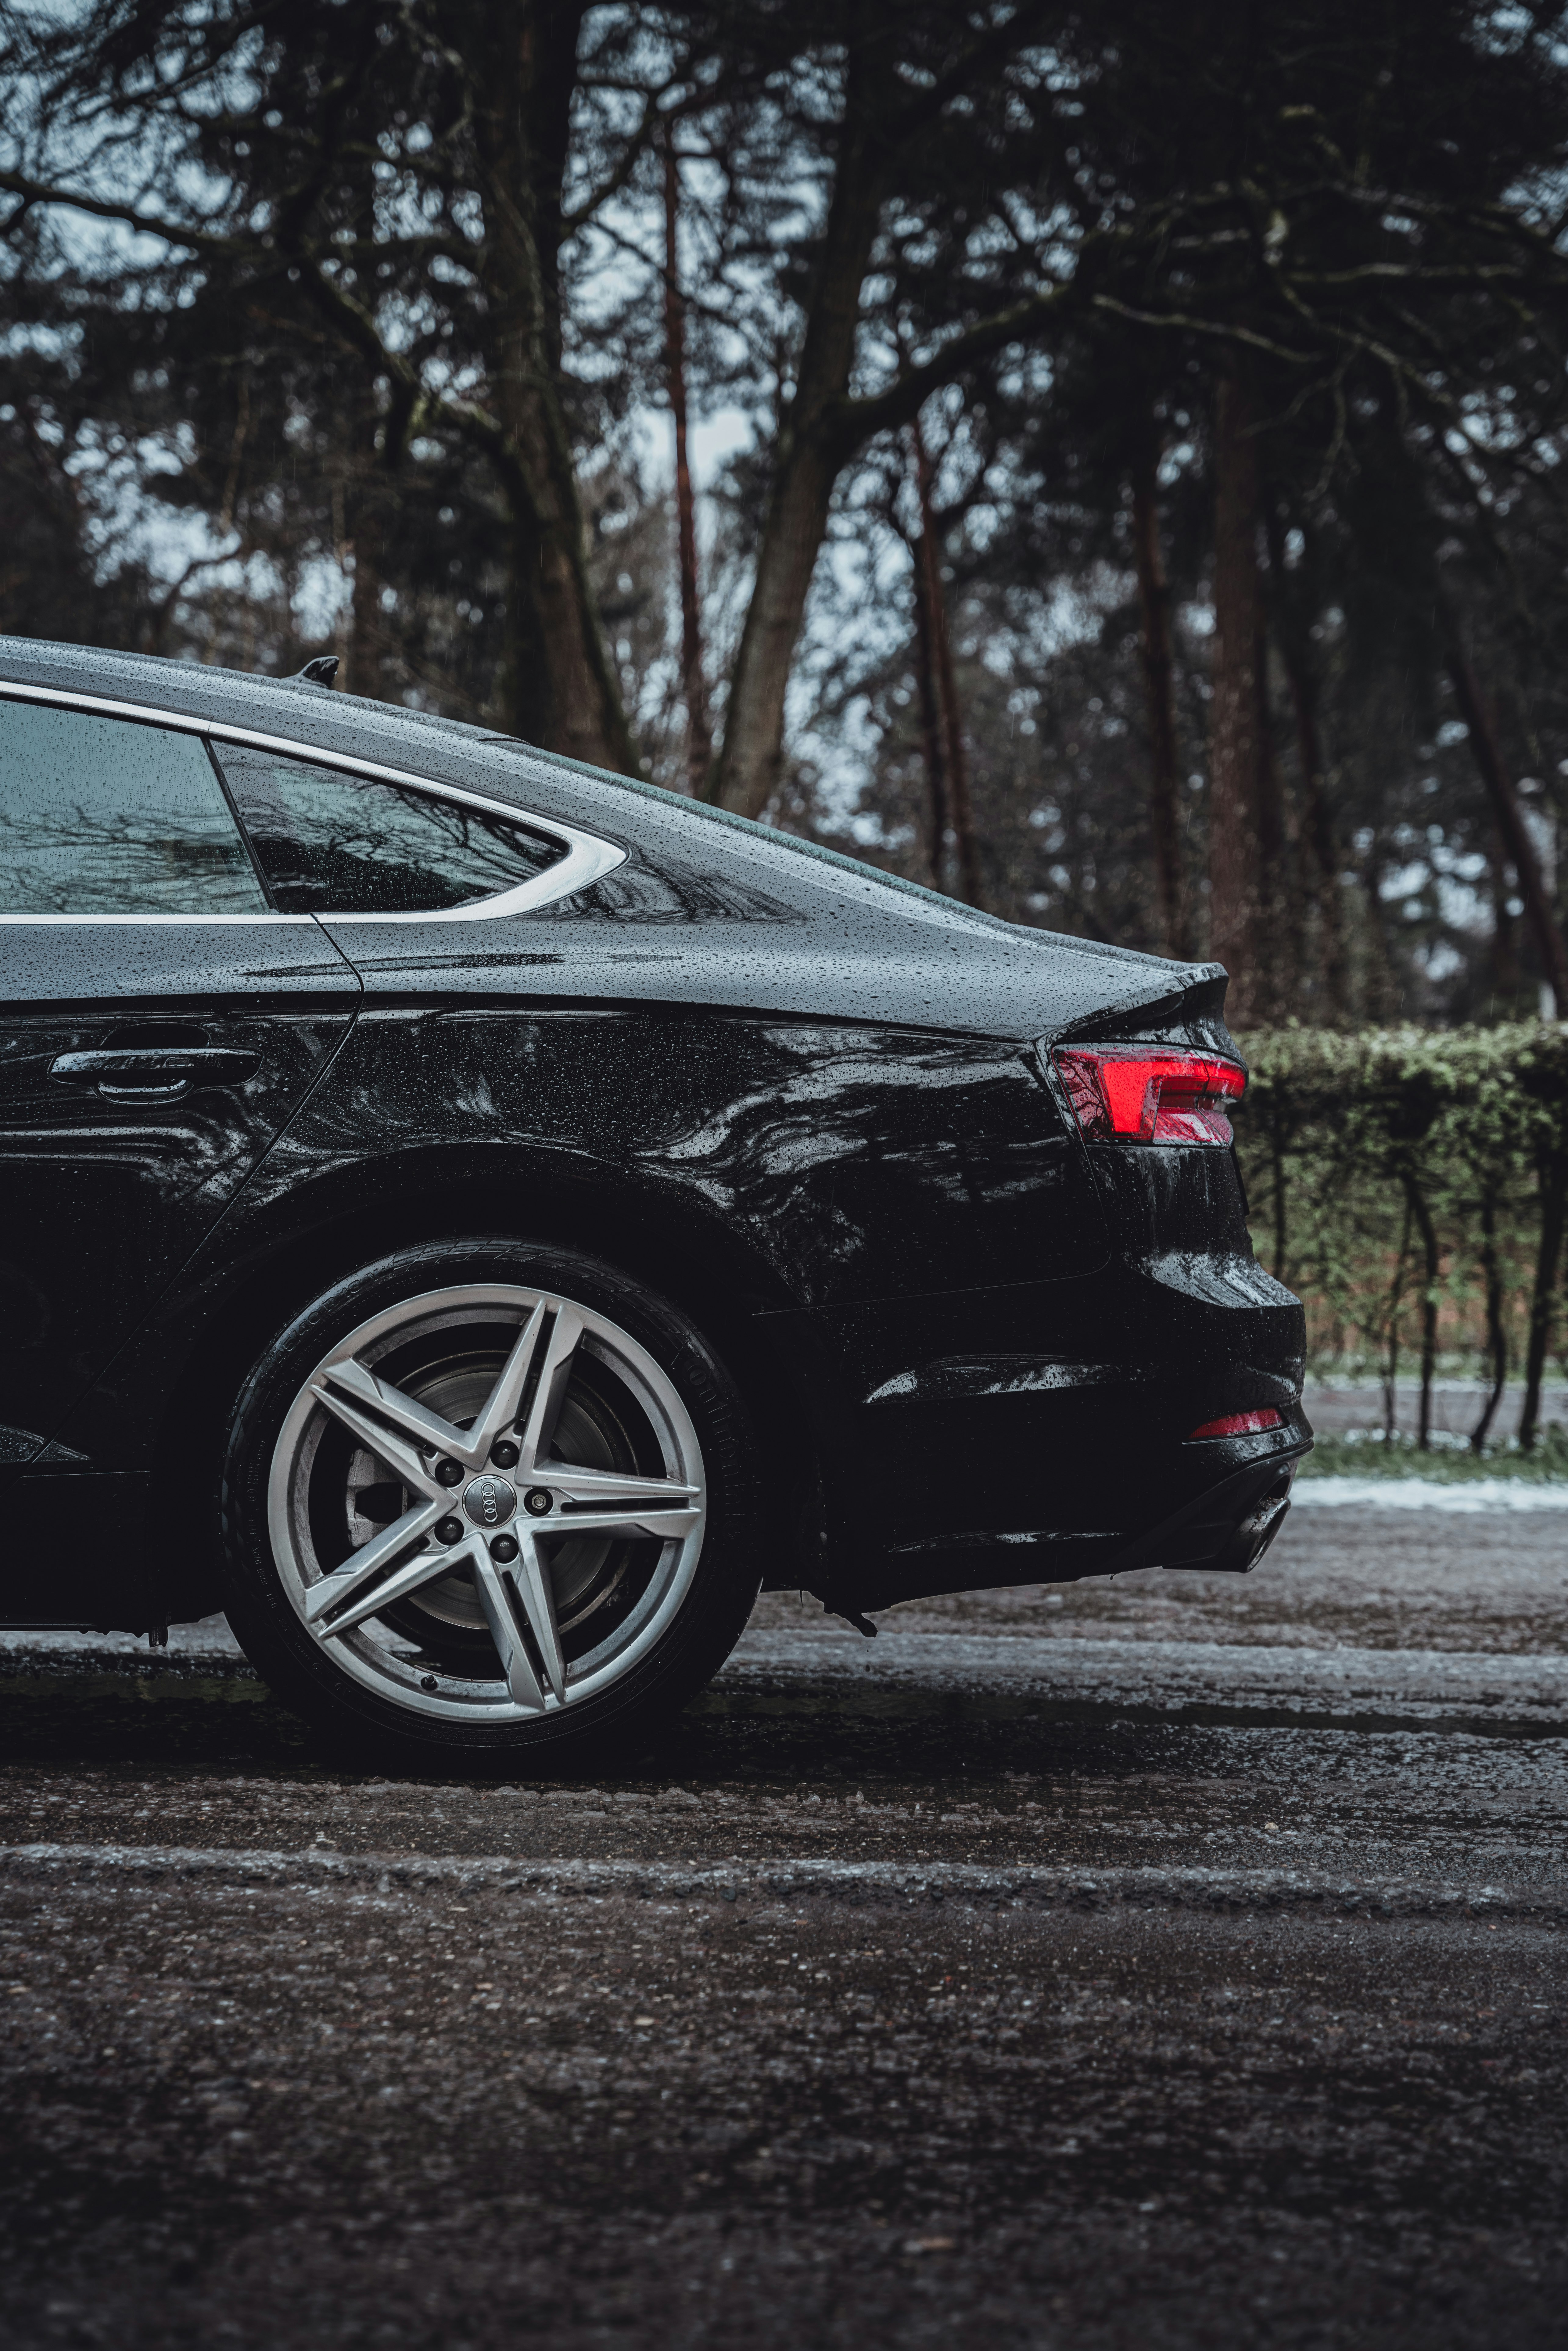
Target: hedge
(1411, 1185)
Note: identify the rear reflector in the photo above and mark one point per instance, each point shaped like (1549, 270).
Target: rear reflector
(1125, 1093)
(1240, 1424)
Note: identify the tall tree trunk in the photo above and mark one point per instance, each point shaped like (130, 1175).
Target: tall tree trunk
(1510, 824)
(956, 752)
(559, 684)
(1317, 817)
(372, 484)
(930, 719)
(1158, 662)
(343, 555)
(806, 462)
(1320, 830)
(880, 121)
(558, 688)
(1507, 978)
(1277, 936)
(1235, 747)
(693, 688)
(361, 672)
(1382, 991)
(746, 772)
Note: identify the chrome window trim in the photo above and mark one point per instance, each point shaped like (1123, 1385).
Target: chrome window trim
(587, 858)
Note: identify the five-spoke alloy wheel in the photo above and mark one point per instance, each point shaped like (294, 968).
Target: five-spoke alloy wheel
(507, 1509)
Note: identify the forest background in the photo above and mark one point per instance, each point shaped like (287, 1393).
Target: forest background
(1104, 461)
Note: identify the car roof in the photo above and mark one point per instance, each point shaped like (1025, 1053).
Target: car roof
(636, 815)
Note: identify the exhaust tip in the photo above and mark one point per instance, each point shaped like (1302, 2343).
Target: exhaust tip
(1254, 1535)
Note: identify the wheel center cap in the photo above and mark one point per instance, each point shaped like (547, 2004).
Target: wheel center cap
(489, 1501)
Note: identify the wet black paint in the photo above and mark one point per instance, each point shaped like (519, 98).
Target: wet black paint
(807, 1103)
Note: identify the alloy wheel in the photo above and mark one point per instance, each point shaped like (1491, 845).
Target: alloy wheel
(486, 1502)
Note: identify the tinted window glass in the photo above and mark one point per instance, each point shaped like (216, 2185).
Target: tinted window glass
(100, 816)
(335, 845)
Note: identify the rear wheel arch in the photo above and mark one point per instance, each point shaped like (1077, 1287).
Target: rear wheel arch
(727, 1291)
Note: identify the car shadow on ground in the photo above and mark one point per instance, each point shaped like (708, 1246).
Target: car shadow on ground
(152, 1718)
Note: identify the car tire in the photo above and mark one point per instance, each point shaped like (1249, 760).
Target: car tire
(543, 1586)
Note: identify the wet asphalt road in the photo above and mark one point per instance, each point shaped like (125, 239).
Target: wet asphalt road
(1177, 1961)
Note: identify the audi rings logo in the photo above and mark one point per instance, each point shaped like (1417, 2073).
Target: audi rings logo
(489, 1501)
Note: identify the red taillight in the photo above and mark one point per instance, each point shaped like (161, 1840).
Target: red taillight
(1125, 1093)
(1240, 1424)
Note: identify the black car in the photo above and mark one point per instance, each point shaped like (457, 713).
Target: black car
(474, 1219)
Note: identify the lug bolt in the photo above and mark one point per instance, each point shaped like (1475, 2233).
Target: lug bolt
(428, 1682)
(449, 1530)
(505, 1549)
(504, 1454)
(538, 1501)
(448, 1473)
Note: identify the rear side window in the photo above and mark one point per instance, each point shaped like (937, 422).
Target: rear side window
(102, 816)
(331, 843)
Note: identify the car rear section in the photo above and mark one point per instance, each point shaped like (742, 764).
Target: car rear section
(953, 1201)
(1143, 1409)
(1217, 1342)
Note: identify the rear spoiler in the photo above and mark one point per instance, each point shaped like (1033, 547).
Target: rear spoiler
(1191, 1013)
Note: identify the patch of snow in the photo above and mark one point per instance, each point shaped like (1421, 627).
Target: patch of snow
(1467, 1498)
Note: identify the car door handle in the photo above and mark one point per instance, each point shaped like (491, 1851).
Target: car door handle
(153, 1072)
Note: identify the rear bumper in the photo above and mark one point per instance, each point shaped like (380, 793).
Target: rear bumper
(1225, 1527)
(1057, 1443)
